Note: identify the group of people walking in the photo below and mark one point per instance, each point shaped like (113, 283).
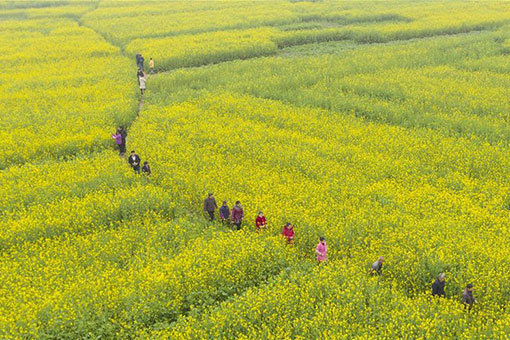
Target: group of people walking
(120, 135)
(133, 159)
(438, 289)
(236, 215)
(140, 74)
(120, 139)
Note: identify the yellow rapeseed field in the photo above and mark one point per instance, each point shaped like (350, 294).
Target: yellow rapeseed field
(381, 126)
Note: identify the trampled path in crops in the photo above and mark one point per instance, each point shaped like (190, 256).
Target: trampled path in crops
(131, 59)
(309, 263)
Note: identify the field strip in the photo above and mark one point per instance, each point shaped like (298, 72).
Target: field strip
(163, 70)
(197, 274)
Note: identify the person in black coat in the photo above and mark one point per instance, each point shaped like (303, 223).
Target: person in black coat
(139, 61)
(210, 205)
(134, 160)
(438, 286)
(123, 133)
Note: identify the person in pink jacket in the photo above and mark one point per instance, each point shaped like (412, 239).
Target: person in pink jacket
(322, 251)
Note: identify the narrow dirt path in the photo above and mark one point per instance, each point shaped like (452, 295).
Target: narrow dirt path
(140, 105)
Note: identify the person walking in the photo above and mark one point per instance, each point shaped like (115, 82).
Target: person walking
(118, 140)
(142, 85)
(288, 232)
(151, 66)
(237, 215)
(139, 74)
(260, 222)
(139, 61)
(146, 170)
(123, 133)
(376, 268)
(321, 250)
(467, 297)
(210, 205)
(134, 161)
(224, 212)
(438, 286)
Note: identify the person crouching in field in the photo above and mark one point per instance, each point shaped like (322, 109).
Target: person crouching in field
(134, 161)
(321, 250)
(237, 215)
(288, 232)
(146, 169)
(467, 297)
(210, 205)
(224, 212)
(376, 268)
(260, 222)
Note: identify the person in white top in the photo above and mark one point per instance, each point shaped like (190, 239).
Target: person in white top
(142, 84)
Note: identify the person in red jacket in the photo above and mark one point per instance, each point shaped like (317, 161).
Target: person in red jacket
(237, 215)
(260, 222)
(288, 232)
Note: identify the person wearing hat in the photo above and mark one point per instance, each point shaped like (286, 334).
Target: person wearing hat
(210, 205)
(260, 222)
(237, 215)
(224, 212)
(467, 297)
(438, 286)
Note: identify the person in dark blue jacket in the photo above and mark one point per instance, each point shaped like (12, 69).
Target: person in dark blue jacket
(224, 212)
(438, 286)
